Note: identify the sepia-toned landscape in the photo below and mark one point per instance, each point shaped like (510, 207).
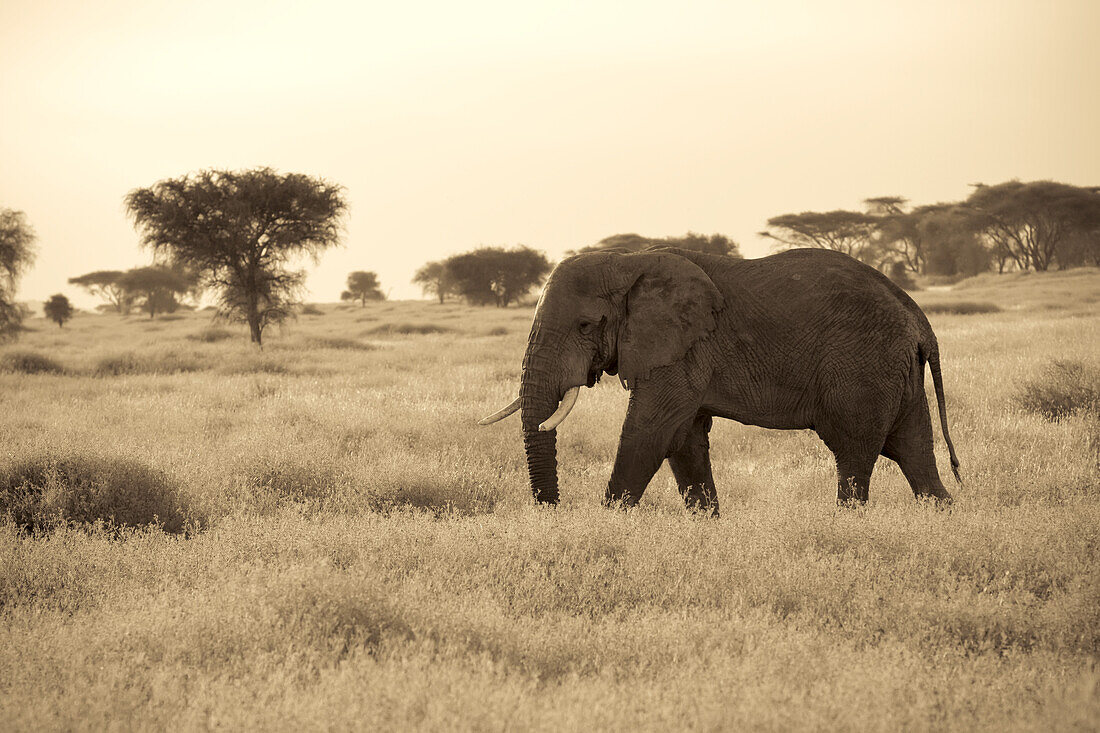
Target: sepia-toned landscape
(335, 543)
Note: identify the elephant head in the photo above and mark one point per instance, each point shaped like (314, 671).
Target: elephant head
(625, 314)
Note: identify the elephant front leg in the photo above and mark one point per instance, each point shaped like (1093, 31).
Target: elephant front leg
(690, 463)
(652, 421)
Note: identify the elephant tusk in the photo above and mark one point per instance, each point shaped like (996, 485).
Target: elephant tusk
(500, 414)
(562, 412)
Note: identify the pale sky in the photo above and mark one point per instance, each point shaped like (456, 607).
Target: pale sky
(551, 124)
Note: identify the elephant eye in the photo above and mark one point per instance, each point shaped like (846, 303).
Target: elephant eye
(587, 327)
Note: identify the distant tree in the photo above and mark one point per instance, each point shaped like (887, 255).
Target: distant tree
(951, 241)
(241, 230)
(363, 286)
(886, 205)
(899, 273)
(1080, 248)
(16, 254)
(494, 275)
(435, 279)
(1030, 221)
(716, 244)
(156, 287)
(850, 232)
(106, 284)
(58, 309)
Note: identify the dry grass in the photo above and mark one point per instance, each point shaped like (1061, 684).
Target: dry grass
(364, 557)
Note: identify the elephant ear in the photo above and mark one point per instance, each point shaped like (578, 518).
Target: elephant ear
(671, 305)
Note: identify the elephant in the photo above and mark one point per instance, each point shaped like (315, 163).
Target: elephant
(803, 339)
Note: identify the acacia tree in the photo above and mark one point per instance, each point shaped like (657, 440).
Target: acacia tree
(435, 279)
(58, 309)
(241, 231)
(16, 254)
(494, 275)
(156, 287)
(107, 284)
(850, 232)
(363, 286)
(1030, 221)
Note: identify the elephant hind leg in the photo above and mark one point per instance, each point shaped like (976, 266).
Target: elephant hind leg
(910, 446)
(853, 473)
(855, 460)
(690, 463)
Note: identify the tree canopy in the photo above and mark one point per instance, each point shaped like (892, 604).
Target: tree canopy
(716, 244)
(241, 231)
(106, 284)
(58, 309)
(156, 287)
(16, 254)
(494, 275)
(1028, 222)
(435, 279)
(363, 286)
(850, 232)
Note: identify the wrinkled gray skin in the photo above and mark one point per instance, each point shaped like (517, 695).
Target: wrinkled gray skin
(804, 339)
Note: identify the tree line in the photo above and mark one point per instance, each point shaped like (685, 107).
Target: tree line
(1013, 225)
(499, 276)
(240, 235)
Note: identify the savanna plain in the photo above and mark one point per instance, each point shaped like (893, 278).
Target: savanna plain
(336, 544)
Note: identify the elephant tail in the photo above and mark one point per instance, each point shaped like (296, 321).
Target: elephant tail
(931, 353)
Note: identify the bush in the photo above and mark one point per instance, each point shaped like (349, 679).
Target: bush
(961, 308)
(1065, 388)
(406, 329)
(211, 335)
(43, 491)
(311, 310)
(29, 362)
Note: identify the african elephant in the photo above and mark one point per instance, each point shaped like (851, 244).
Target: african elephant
(808, 338)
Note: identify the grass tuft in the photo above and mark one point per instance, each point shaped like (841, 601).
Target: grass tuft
(44, 491)
(340, 343)
(129, 363)
(1065, 388)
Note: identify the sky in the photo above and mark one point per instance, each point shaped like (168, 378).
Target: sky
(454, 125)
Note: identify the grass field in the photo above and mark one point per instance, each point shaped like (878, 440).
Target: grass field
(348, 550)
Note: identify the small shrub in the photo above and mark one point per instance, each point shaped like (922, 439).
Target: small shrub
(406, 329)
(43, 491)
(1065, 388)
(961, 308)
(29, 362)
(311, 310)
(498, 331)
(211, 335)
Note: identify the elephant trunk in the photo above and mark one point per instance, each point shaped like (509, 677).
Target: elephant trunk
(539, 396)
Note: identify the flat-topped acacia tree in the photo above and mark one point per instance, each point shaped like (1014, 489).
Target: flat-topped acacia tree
(240, 231)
